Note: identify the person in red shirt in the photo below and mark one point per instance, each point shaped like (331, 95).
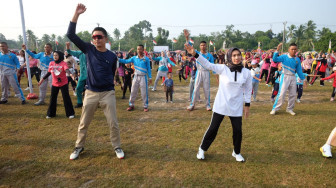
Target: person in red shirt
(333, 75)
(58, 70)
(322, 65)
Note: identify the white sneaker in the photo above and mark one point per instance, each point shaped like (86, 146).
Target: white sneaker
(17, 95)
(238, 157)
(291, 112)
(48, 117)
(162, 84)
(74, 155)
(200, 154)
(153, 89)
(75, 94)
(71, 117)
(272, 112)
(298, 100)
(27, 89)
(332, 99)
(326, 151)
(120, 153)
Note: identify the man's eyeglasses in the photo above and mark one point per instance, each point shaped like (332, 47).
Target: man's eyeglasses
(94, 37)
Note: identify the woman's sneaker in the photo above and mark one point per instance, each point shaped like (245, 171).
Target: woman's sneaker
(326, 151)
(200, 154)
(74, 155)
(238, 157)
(119, 152)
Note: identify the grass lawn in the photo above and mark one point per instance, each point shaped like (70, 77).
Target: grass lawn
(161, 145)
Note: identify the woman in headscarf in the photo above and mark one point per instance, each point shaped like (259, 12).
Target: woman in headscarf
(235, 87)
(58, 70)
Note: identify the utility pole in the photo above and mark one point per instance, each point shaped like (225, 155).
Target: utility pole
(283, 36)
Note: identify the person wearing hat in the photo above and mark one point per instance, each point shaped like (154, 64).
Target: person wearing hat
(235, 87)
(255, 73)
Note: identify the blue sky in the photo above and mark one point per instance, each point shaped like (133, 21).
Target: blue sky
(199, 16)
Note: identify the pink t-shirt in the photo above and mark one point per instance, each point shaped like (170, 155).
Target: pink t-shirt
(57, 71)
(33, 63)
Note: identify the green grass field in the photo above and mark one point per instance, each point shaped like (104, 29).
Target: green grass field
(161, 145)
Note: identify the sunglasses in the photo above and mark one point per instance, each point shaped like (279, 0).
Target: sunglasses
(94, 37)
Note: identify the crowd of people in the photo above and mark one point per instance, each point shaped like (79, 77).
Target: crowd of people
(94, 72)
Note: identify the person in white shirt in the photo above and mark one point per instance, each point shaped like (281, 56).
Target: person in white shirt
(234, 90)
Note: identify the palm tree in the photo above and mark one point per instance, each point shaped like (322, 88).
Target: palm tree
(290, 33)
(310, 32)
(299, 34)
(116, 33)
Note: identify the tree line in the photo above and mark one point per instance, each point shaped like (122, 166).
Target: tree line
(306, 36)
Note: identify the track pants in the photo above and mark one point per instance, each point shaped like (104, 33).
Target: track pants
(211, 133)
(158, 76)
(139, 81)
(10, 80)
(201, 77)
(44, 85)
(287, 82)
(80, 89)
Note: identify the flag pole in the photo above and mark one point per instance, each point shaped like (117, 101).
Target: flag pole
(31, 95)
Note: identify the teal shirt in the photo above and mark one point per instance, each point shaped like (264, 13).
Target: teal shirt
(82, 62)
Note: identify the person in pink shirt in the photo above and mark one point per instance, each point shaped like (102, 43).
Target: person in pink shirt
(273, 69)
(34, 70)
(307, 64)
(266, 62)
(58, 70)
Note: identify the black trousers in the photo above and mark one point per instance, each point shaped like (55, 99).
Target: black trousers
(211, 133)
(127, 83)
(73, 83)
(271, 75)
(69, 110)
(308, 72)
(333, 92)
(169, 92)
(315, 77)
(35, 71)
(264, 72)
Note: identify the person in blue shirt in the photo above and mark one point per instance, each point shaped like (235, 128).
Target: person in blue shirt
(45, 58)
(163, 67)
(101, 67)
(9, 64)
(202, 78)
(290, 65)
(169, 87)
(142, 71)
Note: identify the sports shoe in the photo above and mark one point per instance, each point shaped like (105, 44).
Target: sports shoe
(3, 102)
(153, 89)
(272, 99)
(23, 102)
(146, 110)
(291, 112)
(74, 155)
(208, 108)
(171, 101)
(298, 100)
(130, 108)
(17, 95)
(190, 108)
(272, 112)
(38, 103)
(200, 154)
(74, 93)
(119, 152)
(48, 117)
(78, 105)
(332, 99)
(326, 151)
(71, 117)
(26, 89)
(238, 157)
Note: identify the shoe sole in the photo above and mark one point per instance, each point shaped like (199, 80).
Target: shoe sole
(233, 155)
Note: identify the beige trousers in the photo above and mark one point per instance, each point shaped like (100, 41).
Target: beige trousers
(107, 102)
